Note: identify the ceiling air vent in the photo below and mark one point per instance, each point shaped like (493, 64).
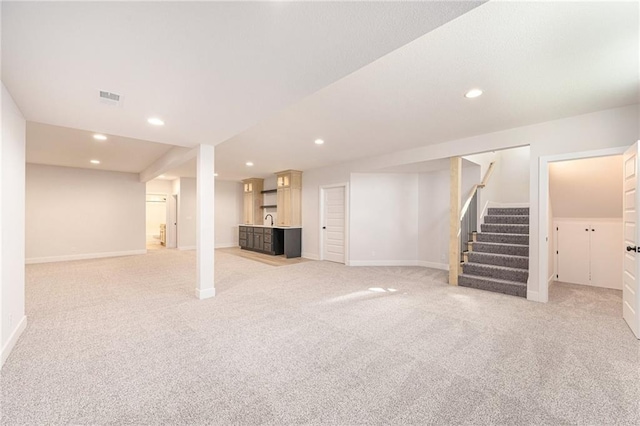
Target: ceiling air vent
(110, 98)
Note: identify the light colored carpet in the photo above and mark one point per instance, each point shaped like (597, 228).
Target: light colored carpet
(124, 341)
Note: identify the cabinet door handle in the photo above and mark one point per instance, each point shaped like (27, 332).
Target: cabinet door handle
(632, 248)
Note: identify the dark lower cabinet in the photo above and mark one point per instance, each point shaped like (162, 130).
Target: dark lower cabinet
(273, 241)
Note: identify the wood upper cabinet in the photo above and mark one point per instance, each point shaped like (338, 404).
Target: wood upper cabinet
(252, 212)
(289, 186)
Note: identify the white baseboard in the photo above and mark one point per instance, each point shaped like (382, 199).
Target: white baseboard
(383, 263)
(311, 256)
(552, 278)
(227, 245)
(187, 248)
(422, 263)
(13, 339)
(433, 265)
(83, 256)
(205, 293)
(533, 296)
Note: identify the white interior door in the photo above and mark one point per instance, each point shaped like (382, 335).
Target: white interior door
(630, 294)
(333, 228)
(573, 252)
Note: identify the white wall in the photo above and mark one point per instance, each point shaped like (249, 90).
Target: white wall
(159, 186)
(228, 212)
(186, 213)
(597, 130)
(384, 218)
(12, 224)
(509, 181)
(433, 223)
(587, 188)
(79, 213)
(512, 177)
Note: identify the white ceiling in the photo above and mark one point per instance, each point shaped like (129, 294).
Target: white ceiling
(535, 61)
(62, 146)
(209, 69)
(269, 78)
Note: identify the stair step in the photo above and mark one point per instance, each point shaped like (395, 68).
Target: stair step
(502, 228)
(510, 261)
(519, 219)
(491, 237)
(496, 272)
(491, 284)
(509, 211)
(501, 248)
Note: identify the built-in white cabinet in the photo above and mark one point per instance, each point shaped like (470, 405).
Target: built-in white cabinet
(589, 252)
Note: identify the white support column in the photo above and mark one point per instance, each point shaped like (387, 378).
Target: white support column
(205, 238)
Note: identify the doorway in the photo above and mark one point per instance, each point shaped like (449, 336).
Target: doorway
(584, 250)
(156, 219)
(334, 223)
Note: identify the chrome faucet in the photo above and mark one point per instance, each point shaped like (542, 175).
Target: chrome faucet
(269, 215)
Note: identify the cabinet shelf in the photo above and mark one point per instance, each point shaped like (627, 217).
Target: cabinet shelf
(269, 191)
(269, 206)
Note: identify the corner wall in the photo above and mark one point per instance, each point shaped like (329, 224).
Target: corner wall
(81, 214)
(12, 224)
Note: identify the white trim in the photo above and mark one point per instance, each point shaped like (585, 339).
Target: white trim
(187, 248)
(433, 265)
(13, 339)
(551, 279)
(346, 220)
(421, 263)
(205, 293)
(543, 207)
(310, 256)
(495, 204)
(384, 263)
(533, 296)
(66, 258)
(227, 245)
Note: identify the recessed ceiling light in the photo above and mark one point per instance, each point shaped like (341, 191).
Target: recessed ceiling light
(215, 175)
(95, 161)
(249, 163)
(318, 141)
(161, 176)
(155, 121)
(473, 93)
(99, 137)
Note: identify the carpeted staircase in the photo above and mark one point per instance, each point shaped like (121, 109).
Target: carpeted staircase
(498, 257)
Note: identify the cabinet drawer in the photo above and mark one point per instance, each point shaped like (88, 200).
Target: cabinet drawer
(243, 235)
(243, 229)
(257, 231)
(267, 236)
(267, 247)
(250, 229)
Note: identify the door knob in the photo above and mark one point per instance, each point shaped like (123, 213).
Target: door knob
(324, 227)
(632, 248)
